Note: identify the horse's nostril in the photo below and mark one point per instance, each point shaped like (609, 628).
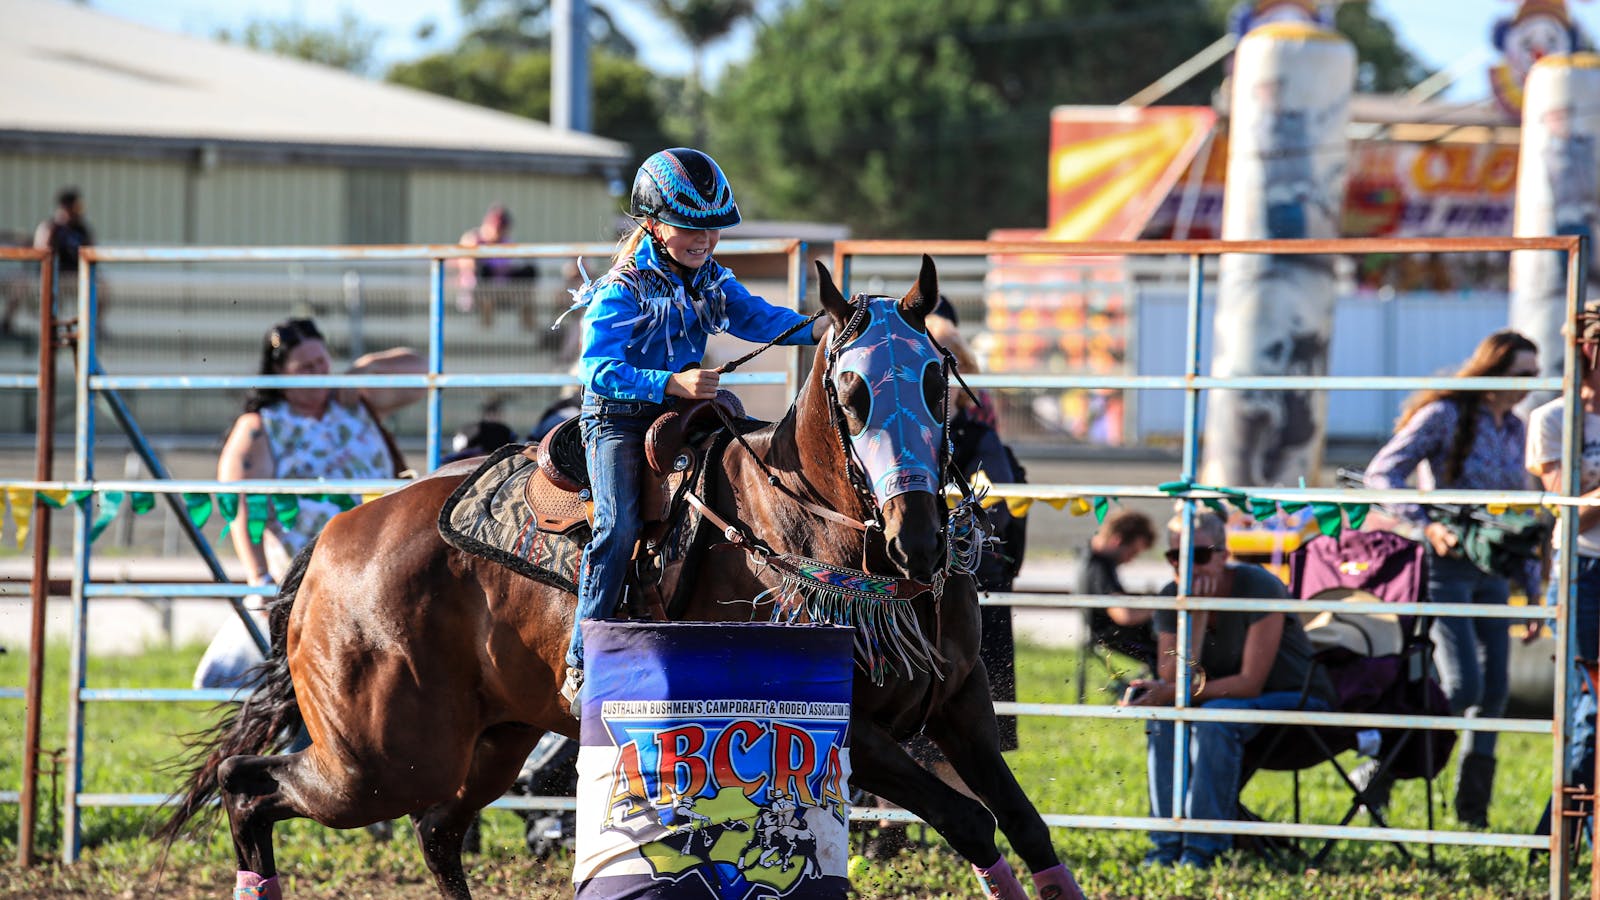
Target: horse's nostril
(916, 559)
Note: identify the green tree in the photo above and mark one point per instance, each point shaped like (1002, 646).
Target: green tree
(702, 23)
(1386, 65)
(909, 118)
(901, 117)
(627, 103)
(503, 62)
(349, 45)
(525, 25)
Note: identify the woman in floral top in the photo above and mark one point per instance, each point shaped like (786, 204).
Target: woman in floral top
(1468, 440)
(296, 433)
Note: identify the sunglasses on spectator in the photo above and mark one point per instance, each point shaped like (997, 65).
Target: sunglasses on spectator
(1202, 555)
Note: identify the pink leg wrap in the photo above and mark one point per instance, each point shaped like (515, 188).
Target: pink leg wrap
(999, 882)
(1056, 883)
(250, 886)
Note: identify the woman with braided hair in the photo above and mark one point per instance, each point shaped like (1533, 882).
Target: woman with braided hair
(1469, 440)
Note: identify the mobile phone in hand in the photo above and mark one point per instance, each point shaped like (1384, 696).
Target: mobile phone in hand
(1135, 693)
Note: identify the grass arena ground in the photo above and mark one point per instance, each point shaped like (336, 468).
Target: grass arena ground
(1088, 766)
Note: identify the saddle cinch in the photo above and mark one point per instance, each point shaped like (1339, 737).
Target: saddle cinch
(528, 508)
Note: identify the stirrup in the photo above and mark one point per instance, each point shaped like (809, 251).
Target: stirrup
(571, 687)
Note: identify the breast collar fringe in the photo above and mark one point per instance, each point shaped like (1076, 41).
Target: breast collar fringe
(888, 637)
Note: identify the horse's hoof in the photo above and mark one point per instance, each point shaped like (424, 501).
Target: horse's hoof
(999, 881)
(1056, 883)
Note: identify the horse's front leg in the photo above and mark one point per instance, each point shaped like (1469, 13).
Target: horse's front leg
(964, 727)
(882, 767)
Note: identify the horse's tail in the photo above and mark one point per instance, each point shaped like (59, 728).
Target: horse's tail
(268, 720)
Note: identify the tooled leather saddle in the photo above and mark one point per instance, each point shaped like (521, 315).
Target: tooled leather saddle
(529, 507)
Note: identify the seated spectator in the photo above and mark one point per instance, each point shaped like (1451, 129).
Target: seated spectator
(976, 447)
(481, 438)
(300, 433)
(1241, 660)
(563, 409)
(1124, 535)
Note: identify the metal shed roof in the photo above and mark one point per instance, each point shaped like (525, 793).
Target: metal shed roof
(79, 74)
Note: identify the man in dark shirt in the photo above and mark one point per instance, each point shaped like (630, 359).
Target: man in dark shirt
(66, 231)
(1242, 660)
(1124, 535)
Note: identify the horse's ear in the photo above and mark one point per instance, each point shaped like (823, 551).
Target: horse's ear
(924, 295)
(832, 301)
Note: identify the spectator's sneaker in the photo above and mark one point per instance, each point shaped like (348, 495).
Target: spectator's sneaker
(1157, 859)
(1196, 859)
(1375, 789)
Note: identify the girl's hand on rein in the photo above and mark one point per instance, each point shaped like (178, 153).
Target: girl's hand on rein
(695, 384)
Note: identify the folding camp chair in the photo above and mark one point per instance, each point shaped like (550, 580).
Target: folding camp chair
(1377, 664)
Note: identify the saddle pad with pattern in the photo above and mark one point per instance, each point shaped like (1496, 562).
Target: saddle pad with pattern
(490, 516)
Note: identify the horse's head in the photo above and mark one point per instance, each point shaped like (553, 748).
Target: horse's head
(886, 387)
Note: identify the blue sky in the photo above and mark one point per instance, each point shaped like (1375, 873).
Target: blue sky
(1441, 32)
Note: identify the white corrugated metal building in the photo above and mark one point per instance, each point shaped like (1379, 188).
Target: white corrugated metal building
(175, 139)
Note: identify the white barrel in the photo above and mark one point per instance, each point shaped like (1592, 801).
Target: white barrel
(1556, 192)
(1288, 160)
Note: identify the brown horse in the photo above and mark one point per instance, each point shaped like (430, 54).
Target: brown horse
(424, 676)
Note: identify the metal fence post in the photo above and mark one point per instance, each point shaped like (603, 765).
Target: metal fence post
(1571, 474)
(83, 471)
(1191, 456)
(435, 360)
(39, 592)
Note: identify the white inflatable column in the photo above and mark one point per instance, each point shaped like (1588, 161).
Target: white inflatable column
(1287, 165)
(1556, 192)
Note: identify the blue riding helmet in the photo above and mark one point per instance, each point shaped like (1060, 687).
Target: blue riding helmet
(899, 444)
(685, 188)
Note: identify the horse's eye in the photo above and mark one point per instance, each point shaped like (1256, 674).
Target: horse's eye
(856, 398)
(933, 388)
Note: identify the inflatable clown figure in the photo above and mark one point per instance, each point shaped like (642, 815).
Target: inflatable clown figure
(1539, 28)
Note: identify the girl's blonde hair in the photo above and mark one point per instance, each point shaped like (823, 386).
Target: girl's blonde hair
(629, 245)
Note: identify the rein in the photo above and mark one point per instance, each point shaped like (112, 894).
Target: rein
(730, 365)
(772, 478)
(888, 637)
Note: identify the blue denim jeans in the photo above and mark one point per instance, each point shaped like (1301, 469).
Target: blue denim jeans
(1586, 632)
(1216, 750)
(1586, 618)
(1473, 656)
(613, 441)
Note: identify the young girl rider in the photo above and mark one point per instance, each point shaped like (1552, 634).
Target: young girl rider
(644, 332)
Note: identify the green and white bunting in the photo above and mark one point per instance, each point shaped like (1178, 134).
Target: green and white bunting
(107, 505)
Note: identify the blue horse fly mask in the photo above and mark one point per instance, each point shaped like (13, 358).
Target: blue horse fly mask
(888, 400)
(895, 427)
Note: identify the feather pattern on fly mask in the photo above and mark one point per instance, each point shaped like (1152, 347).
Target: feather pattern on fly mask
(901, 446)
